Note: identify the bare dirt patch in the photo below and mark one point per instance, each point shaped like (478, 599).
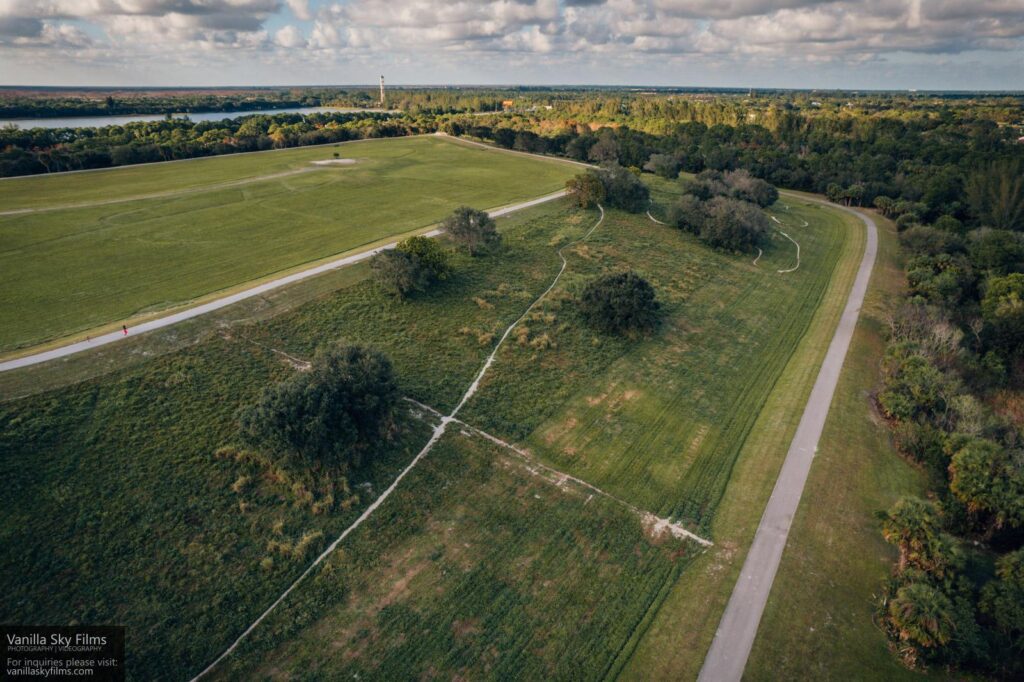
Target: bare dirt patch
(334, 162)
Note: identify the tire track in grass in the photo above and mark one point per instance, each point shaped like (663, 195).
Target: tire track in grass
(439, 431)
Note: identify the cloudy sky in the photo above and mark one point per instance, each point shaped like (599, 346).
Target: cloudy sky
(948, 44)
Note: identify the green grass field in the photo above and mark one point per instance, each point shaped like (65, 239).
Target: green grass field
(661, 422)
(476, 567)
(66, 271)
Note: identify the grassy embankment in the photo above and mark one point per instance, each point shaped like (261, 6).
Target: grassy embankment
(131, 518)
(225, 221)
(680, 635)
(819, 622)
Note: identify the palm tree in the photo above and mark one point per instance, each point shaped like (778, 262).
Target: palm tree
(911, 526)
(922, 615)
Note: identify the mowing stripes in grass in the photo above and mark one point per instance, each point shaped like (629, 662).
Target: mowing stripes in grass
(475, 569)
(560, 478)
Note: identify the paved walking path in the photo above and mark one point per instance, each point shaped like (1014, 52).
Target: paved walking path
(736, 632)
(112, 337)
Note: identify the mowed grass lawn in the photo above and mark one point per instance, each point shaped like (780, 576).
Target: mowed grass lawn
(819, 622)
(216, 224)
(476, 567)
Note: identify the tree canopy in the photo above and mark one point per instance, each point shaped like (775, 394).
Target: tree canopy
(585, 190)
(623, 189)
(337, 412)
(618, 303)
(471, 229)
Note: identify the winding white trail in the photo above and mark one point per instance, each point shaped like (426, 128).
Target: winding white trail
(795, 267)
(655, 219)
(258, 290)
(434, 437)
(759, 254)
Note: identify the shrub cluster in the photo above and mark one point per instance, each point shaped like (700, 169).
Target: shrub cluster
(619, 303)
(471, 229)
(337, 413)
(413, 265)
(953, 344)
(617, 186)
(722, 209)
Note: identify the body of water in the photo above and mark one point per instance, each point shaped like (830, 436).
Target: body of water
(100, 121)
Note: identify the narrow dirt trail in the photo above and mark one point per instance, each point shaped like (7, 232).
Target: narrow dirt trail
(439, 431)
(559, 478)
(655, 219)
(797, 266)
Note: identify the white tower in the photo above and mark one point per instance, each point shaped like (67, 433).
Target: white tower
(382, 91)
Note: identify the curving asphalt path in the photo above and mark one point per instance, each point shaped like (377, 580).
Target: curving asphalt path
(113, 337)
(734, 639)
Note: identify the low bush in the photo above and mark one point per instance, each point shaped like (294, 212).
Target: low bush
(618, 303)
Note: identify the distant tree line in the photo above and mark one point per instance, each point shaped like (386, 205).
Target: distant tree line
(963, 165)
(916, 159)
(49, 150)
(53, 104)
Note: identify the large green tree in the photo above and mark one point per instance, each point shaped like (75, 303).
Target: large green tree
(398, 273)
(472, 229)
(996, 195)
(913, 527)
(624, 190)
(337, 412)
(985, 478)
(585, 190)
(1003, 311)
(922, 615)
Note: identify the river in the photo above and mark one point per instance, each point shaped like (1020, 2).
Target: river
(100, 121)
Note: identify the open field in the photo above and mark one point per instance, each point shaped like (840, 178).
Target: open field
(233, 219)
(661, 422)
(557, 583)
(477, 569)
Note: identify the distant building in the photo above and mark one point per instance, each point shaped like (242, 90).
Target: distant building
(508, 103)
